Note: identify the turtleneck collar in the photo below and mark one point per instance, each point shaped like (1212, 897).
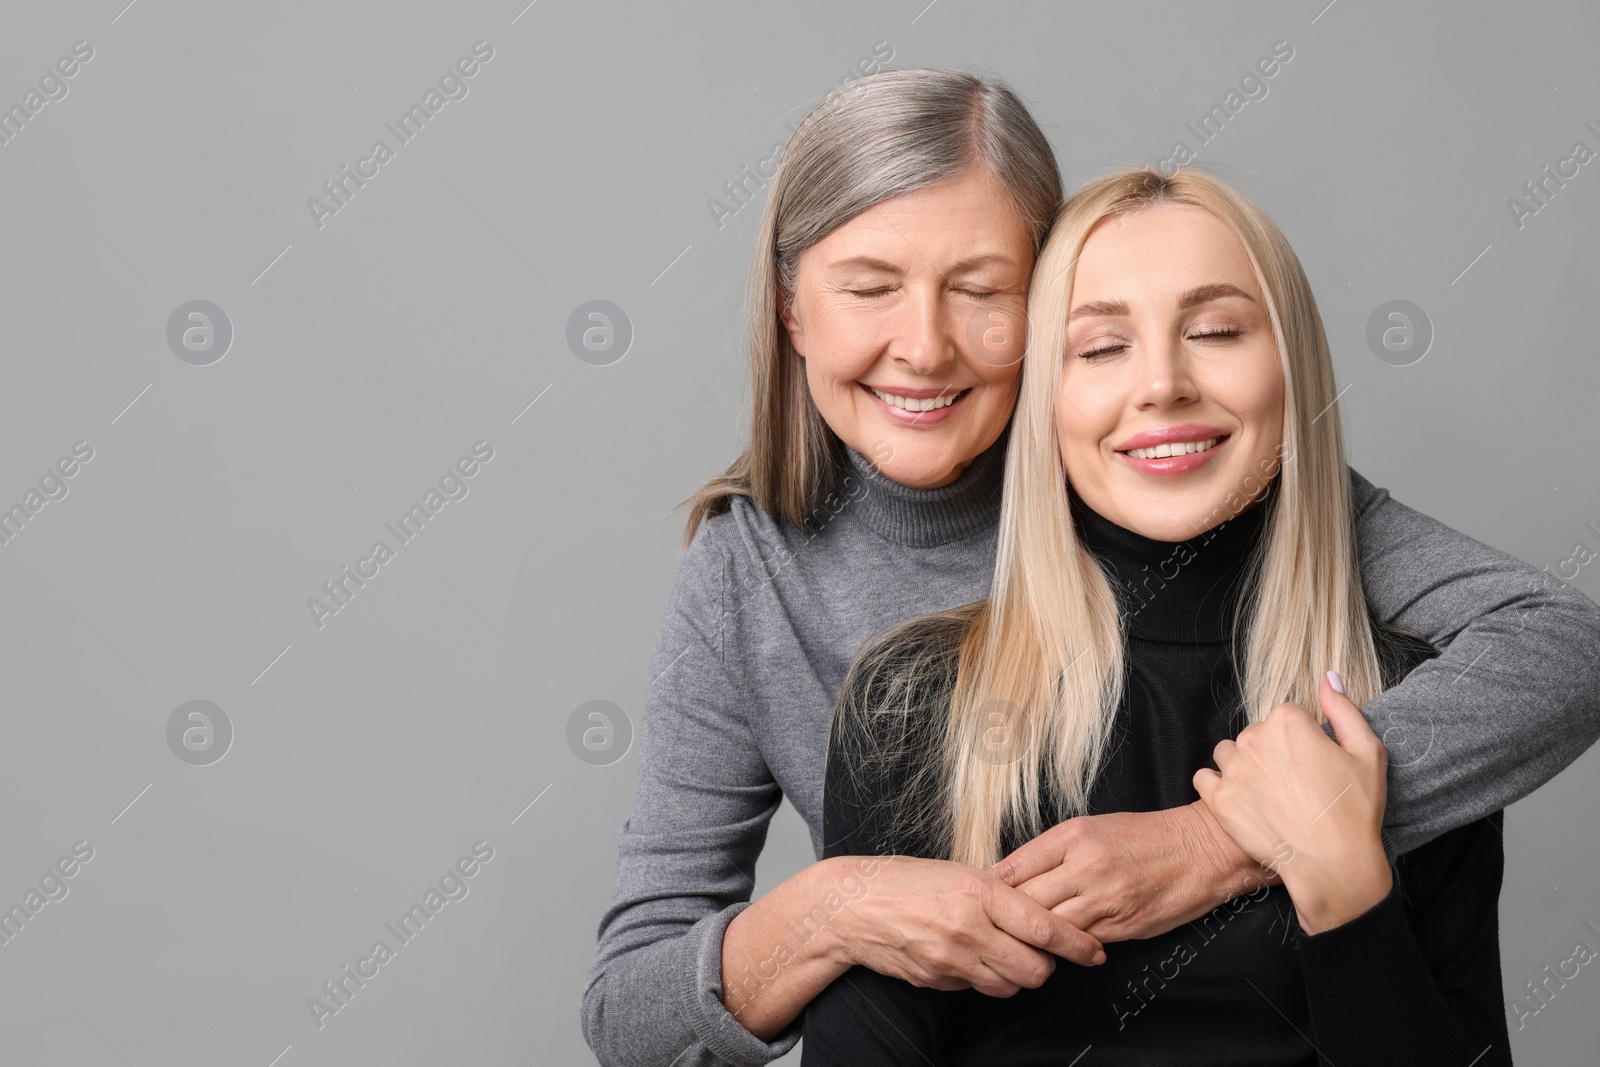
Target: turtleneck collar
(1186, 591)
(923, 518)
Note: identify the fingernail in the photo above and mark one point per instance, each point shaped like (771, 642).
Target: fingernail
(1099, 958)
(1337, 682)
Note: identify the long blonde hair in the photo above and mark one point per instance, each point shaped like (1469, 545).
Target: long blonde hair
(1040, 666)
(889, 133)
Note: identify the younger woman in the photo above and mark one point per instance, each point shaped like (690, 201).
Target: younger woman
(1177, 560)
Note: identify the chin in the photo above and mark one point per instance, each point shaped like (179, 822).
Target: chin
(917, 475)
(1165, 517)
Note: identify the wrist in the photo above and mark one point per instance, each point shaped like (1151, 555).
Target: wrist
(789, 945)
(1228, 869)
(820, 931)
(1330, 895)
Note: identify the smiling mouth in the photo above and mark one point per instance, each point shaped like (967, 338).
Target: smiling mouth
(1175, 448)
(916, 404)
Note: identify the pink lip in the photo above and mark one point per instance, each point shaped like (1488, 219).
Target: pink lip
(919, 419)
(1172, 466)
(1164, 435)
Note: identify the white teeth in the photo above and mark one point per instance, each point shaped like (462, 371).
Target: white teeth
(1174, 448)
(932, 403)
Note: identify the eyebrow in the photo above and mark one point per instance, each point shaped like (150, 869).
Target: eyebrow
(874, 263)
(1203, 294)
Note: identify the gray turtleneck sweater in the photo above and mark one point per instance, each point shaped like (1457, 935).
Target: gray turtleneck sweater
(764, 619)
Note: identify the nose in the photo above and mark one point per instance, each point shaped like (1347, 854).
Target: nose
(924, 340)
(1166, 375)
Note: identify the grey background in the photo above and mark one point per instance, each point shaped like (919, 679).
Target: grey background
(369, 754)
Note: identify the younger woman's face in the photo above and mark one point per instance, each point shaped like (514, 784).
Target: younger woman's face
(911, 319)
(1170, 410)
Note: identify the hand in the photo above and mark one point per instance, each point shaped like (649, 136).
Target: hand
(1131, 875)
(945, 925)
(1308, 807)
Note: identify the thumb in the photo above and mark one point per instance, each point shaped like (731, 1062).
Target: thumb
(1341, 712)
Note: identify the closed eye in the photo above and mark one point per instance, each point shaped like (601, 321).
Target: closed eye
(1105, 350)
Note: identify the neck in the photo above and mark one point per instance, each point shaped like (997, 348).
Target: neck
(923, 518)
(1178, 591)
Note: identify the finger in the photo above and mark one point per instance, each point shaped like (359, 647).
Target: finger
(1020, 916)
(1049, 889)
(1083, 913)
(1205, 782)
(1034, 858)
(1224, 752)
(993, 981)
(1350, 727)
(1013, 962)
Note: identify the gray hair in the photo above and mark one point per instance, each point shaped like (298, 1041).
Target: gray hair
(890, 133)
(898, 131)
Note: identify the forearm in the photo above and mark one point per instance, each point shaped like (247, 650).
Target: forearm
(1231, 871)
(1468, 739)
(1514, 696)
(785, 948)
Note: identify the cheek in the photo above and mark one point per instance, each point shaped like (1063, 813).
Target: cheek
(832, 351)
(999, 381)
(1267, 404)
(1089, 402)
(1259, 404)
(1078, 434)
(995, 336)
(841, 346)
(1252, 391)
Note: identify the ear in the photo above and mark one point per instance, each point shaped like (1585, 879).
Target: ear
(791, 323)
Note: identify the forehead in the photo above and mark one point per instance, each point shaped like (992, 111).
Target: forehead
(963, 216)
(1160, 248)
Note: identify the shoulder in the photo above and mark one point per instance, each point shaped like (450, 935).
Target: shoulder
(747, 541)
(894, 703)
(1385, 525)
(1364, 496)
(883, 789)
(733, 544)
(911, 665)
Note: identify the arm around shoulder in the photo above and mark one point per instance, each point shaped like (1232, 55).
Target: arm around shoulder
(1514, 696)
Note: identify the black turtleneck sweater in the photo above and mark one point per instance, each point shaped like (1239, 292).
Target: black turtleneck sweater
(1414, 981)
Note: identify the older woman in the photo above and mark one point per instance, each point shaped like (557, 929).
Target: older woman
(886, 293)
(1182, 396)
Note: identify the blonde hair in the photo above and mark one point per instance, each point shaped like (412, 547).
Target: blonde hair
(1040, 665)
(889, 133)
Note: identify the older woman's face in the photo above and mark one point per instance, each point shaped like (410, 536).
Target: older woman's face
(911, 318)
(1170, 410)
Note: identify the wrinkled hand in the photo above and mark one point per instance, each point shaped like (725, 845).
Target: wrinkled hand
(1130, 875)
(945, 925)
(1308, 807)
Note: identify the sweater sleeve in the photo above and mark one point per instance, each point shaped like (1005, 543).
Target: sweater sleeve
(703, 800)
(1415, 980)
(1515, 695)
